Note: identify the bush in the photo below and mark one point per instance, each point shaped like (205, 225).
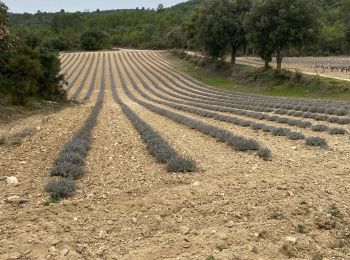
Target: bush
(319, 128)
(71, 157)
(280, 131)
(243, 144)
(265, 153)
(257, 126)
(315, 141)
(60, 188)
(94, 40)
(337, 131)
(181, 164)
(77, 145)
(67, 170)
(296, 136)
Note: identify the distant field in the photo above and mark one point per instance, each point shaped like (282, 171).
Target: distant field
(335, 67)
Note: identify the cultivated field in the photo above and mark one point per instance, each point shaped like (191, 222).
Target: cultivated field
(334, 67)
(269, 176)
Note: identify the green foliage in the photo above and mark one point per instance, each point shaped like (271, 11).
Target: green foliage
(93, 40)
(278, 25)
(26, 69)
(219, 26)
(159, 29)
(125, 28)
(176, 37)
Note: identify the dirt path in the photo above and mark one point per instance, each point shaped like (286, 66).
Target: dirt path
(236, 206)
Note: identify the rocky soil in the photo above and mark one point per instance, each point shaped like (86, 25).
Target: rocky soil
(127, 206)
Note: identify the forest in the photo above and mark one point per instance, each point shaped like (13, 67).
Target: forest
(156, 29)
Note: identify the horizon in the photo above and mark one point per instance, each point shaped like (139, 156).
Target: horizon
(50, 6)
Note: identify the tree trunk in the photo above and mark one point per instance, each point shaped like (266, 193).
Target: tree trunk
(233, 55)
(279, 58)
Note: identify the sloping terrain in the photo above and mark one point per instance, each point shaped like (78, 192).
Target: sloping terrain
(241, 202)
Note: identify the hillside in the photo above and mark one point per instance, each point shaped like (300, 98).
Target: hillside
(148, 29)
(141, 28)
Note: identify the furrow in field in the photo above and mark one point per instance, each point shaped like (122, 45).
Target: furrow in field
(156, 144)
(217, 106)
(273, 129)
(237, 142)
(70, 164)
(337, 143)
(242, 104)
(77, 58)
(64, 58)
(156, 58)
(79, 74)
(321, 107)
(83, 81)
(93, 80)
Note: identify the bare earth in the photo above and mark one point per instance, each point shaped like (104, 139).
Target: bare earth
(127, 206)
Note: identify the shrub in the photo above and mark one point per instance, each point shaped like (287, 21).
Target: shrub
(243, 144)
(296, 136)
(319, 128)
(265, 153)
(315, 141)
(67, 170)
(60, 188)
(71, 157)
(181, 164)
(76, 145)
(280, 131)
(337, 131)
(257, 126)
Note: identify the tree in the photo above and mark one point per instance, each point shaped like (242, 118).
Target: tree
(176, 37)
(235, 30)
(93, 40)
(277, 25)
(347, 34)
(4, 32)
(346, 10)
(220, 27)
(189, 27)
(160, 8)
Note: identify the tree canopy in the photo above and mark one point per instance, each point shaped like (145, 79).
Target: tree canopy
(149, 29)
(27, 69)
(219, 26)
(275, 26)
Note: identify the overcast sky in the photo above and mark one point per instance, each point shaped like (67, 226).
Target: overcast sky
(32, 6)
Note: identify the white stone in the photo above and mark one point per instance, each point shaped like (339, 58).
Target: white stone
(12, 181)
(15, 200)
(292, 240)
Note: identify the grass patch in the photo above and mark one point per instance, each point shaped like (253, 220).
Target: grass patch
(249, 79)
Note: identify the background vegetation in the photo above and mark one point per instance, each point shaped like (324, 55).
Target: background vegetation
(27, 69)
(162, 28)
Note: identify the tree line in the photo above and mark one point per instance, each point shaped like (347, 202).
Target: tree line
(26, 71)
(267, 27)
(175, 27)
